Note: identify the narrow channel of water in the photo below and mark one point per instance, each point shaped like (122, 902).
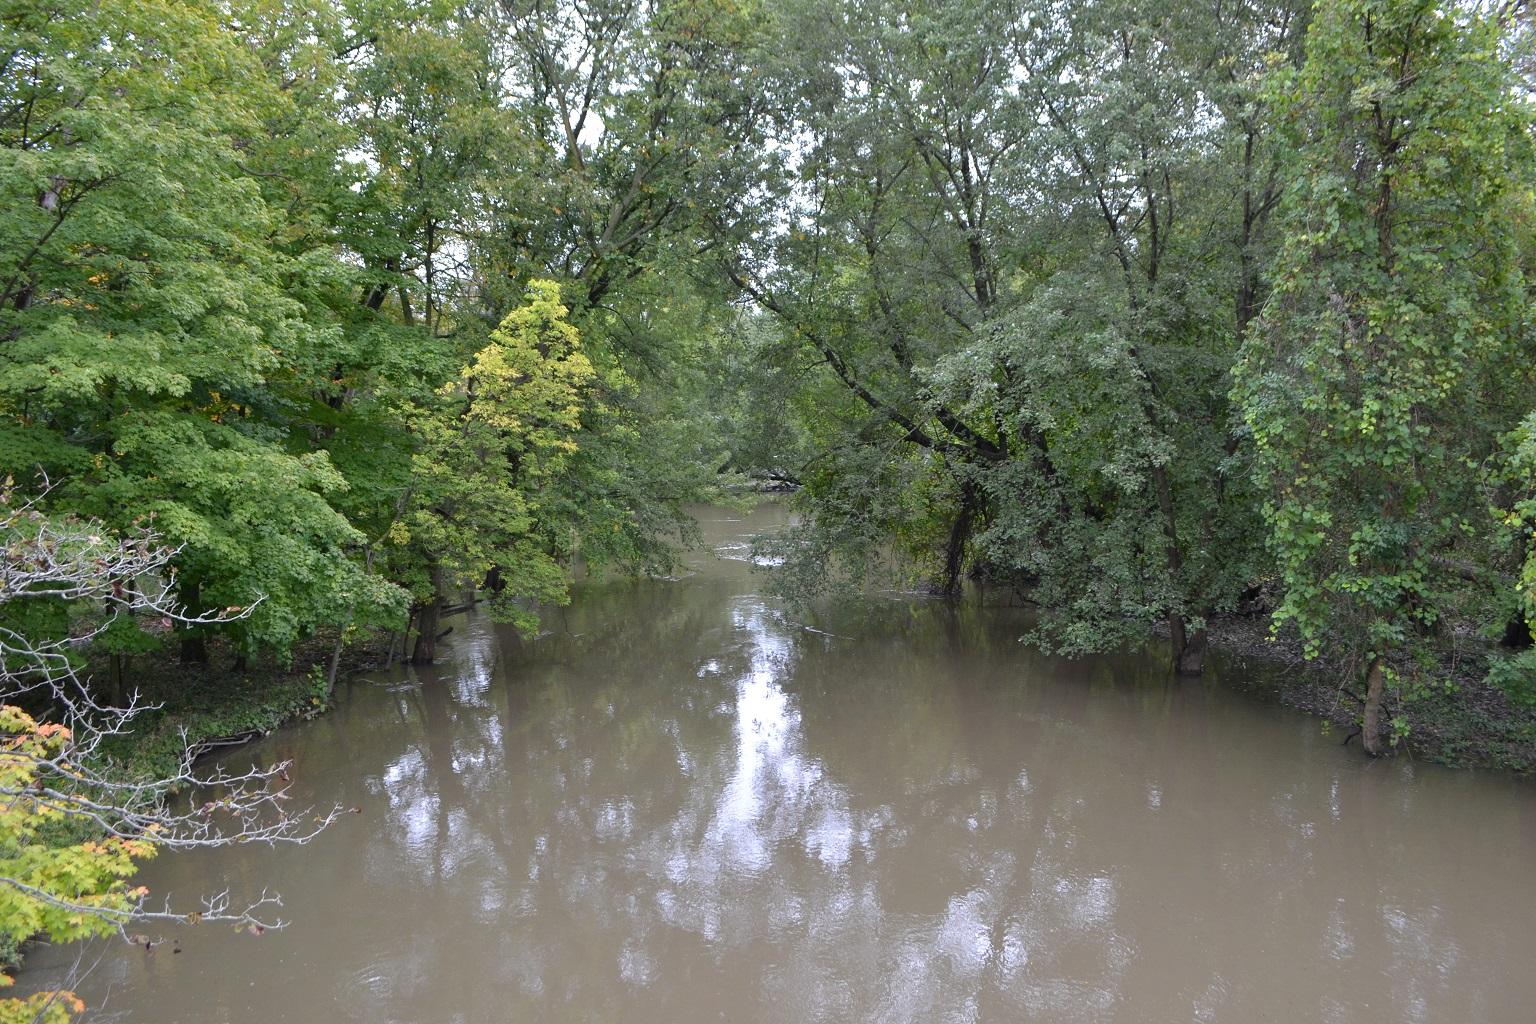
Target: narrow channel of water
(685, 804)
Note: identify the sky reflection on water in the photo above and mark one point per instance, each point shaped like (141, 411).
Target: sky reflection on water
(680, 803)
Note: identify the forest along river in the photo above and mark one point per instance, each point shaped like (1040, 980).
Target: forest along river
(684, 803)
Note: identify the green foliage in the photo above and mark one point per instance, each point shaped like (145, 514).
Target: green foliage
(1006, 331)
(248, 285)
(1369, 383)
(500, 437)
(1515, 673)
(152, 322)
(92, 872)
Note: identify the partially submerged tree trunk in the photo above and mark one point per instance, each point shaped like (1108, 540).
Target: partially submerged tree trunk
(1188, 646)
(389, 651)
(1189, 649)
(425, 651)
(1370, 725)
(427, 613)
(959, 537)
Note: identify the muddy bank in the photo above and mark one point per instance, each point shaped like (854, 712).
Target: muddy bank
(1460, 720)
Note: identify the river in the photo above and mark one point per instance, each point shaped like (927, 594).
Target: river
(685, 803)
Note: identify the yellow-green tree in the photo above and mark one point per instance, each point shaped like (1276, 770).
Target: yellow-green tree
(493, 449)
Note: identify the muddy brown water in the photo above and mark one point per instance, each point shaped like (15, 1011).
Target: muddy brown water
(685, 803)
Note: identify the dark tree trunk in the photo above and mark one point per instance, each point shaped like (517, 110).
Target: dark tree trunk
(1189, 653)
(959, 537)
(1255, 208)
(425, 651)
(116, 673)
(1370, 725)
(1188, 647)
(194, 649)
(194, 646)
(389, 652)
(427, 615)
(1176, 634)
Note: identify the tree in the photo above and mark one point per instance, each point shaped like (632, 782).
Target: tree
(892, 209)
(641, 116)
(1023, 252)
(152, 319)
(73, 825)
(1369, 379)
(1115, 353)
(494, 446)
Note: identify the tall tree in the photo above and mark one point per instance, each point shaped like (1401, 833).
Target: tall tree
(492, 451)
(889, 222)
(1024, 250)
(149, 308)
(1366, 382)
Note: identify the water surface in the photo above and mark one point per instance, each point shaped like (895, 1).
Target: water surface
(684, 803)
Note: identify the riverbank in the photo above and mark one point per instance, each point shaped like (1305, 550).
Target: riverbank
(216, 707)
(210, 708)
(1462, 722)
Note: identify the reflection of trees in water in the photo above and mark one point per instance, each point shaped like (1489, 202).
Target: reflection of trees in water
(682, 803)
(892, 827)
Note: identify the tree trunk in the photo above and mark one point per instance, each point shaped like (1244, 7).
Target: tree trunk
(330, 674)
(194, 646)
(1189, 650)
(1370, 726)
(194, 649)
(425, 651)
(389, 652)
(959, 536)
(427, 614)
(116, 673)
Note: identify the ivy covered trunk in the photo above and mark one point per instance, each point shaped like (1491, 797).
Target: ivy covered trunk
(1370, 724)
(1396, 321)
